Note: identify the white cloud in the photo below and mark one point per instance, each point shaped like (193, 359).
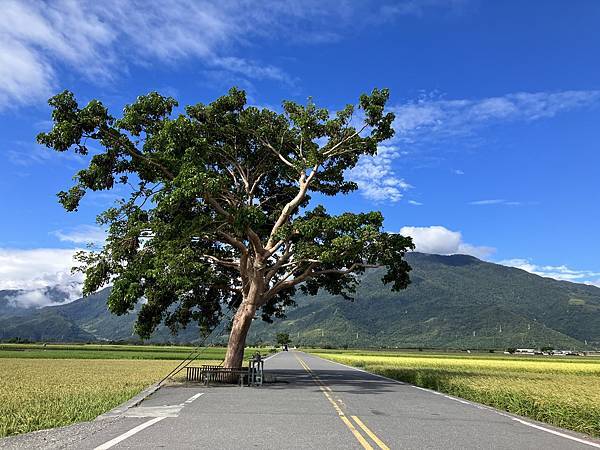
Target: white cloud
(101, 40)
(251, 69)
(38, 298)
(375, 177)
(561, 272)
(429, 118)
(499, 201)
(82, 234)
(495, 201)
(440, 240)
(419, 7)
(415, 203)
(36, 270)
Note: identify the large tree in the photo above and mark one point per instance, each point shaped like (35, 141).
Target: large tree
(217, 216)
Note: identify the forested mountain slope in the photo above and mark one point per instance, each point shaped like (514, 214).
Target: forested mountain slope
(454, 301)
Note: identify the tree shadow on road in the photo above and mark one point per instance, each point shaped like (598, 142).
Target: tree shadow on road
(341, 380)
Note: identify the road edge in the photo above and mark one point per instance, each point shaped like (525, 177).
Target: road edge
(131, 403)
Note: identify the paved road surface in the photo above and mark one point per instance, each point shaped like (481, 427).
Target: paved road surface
(316, 404)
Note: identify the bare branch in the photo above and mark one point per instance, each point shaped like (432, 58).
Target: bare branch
(283, 158)
(343, 141)
(282, 259)
(223, 262)
(352, 268)
(232, 173)
(276, 247)
(243, 175)
(228, 288)
(255, 184)
(300, 261)
(310, 273)
(300, 147)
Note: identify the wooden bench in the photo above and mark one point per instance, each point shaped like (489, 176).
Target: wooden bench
(216, 374)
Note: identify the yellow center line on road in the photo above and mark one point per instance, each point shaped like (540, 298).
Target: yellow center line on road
(370, 433)
(359, 437)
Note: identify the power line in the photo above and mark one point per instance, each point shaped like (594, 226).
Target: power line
(197, 350)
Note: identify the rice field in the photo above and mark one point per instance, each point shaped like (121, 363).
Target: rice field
(562, 392)
(46, 393)
(105, 351)
(55, 385)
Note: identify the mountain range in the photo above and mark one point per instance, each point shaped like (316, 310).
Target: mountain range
(455, 301)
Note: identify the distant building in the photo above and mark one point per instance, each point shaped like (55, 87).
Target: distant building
(525, 351)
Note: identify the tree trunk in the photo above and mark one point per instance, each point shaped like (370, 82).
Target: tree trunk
(239, 330)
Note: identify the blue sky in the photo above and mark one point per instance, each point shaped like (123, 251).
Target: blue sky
(496, 152)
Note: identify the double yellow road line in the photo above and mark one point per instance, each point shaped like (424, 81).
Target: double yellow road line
(357, 434)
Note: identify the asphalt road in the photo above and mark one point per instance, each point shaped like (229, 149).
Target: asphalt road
(315, 404)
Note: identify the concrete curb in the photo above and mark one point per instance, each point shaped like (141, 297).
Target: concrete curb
(131, 403)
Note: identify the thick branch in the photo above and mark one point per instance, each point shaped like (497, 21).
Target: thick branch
(292, 205)
(231, 240)
(283, 284)
(217, 206)
(228, 288)
(254, 238)
(310, 273)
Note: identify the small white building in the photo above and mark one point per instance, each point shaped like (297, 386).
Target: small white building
(525, 351)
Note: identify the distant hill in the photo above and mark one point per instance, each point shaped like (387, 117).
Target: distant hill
(84, 320)
(454, 301)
